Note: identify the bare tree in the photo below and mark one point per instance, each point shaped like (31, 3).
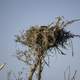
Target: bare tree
(38, 40)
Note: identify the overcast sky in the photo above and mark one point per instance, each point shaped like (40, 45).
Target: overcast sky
(17, 15)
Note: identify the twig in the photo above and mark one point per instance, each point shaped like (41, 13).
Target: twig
(33, 69)
(73, 78)
(40, 70)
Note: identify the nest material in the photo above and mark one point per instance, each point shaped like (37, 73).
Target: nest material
(46, 37)
(40, 39)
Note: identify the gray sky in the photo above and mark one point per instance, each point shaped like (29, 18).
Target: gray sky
(17, 15)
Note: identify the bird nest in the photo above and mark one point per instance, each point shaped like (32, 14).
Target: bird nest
(47, 37)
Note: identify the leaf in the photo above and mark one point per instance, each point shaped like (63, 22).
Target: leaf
(2, 66)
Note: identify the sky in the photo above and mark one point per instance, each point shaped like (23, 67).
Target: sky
(18, 15)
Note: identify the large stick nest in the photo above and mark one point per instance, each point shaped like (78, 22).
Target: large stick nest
(46, 37)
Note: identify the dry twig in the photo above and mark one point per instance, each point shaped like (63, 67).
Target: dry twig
(40, 39)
